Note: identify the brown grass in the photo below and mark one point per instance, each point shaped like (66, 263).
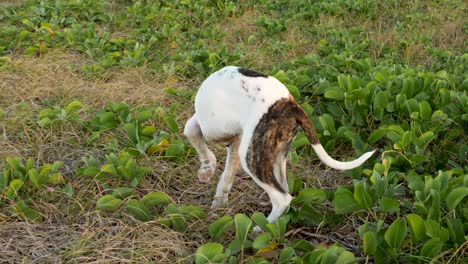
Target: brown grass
(74, 232)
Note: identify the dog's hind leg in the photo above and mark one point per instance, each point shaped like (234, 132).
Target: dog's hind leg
(208, 160)
(227, 177)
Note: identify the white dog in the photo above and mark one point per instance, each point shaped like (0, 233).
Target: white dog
(256, 117)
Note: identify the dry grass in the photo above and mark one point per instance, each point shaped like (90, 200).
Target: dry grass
(74, 232)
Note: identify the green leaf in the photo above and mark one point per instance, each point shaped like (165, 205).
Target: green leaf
(207, 252)
(389, 205)
(425, 110)
(132, 132)
(122, 192)
(260, 220)
(13, 188)
(90, 171)
(28, 213)
(286, 255)
(171, 123)
(110, 169)
(432, 248)
(425, 138)
(369, 243)
(243, 225)
(294, 91)
(362, 196)
(334, 93)
(69, 190)
(139, 210)
(376, 135)
(262, 241)
(143, 116)
(220, 226)
(396, 233)
(344, 202)
(455, 197)
(108, 202)
(346, 257)
(156, 198)
(417, 227)
(310, 196)
(192, 212)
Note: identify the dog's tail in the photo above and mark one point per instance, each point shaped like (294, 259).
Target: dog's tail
(304, 121)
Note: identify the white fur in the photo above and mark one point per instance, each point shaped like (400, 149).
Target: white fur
(228, 107)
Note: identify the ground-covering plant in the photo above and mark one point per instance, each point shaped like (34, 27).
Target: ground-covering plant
(386, 75)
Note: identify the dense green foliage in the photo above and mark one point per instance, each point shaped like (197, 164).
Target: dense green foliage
(361, 93)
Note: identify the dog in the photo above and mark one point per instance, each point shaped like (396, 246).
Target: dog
(255, 116)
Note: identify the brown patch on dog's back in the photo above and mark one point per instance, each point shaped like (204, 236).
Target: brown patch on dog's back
(273, 136)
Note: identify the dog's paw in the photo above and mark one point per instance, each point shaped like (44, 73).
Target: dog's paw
(219, 203)
(206, 172)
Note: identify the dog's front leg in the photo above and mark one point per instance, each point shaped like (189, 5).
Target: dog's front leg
(227, 177)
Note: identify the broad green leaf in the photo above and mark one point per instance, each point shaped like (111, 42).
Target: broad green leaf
(425, 110)
(425, 138)
(263, 240)
(90, 171)
(432, 248)
(294, 91)
(220, 226)
(310, 196)
(192, 212)
(156, 198)
(171, 123)
(256, 260)
(13, 188)
(435, 230)
(344, 202)
(139, 210)
(376, 135)
(15, 164)
(380, 100)
(132, 132)
(346, 257)
(455, 227)
(389, 205)
(35, 178)
(108, 202)
(243, 225)
(334, 93)
(143, 116)
(417, 226)
(286, 255)
(148, 131)
(69, 190)
(362, 196)
(176, 218)
(396, 233)
(455, 197)
(28, 213)
(122, 192)
(110, 169)
(260, 220)
(369, 243)
(207, 252)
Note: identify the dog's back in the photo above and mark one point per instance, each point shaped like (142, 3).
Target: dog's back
(233, 98)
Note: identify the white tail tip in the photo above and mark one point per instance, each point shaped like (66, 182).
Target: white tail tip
(340, 165)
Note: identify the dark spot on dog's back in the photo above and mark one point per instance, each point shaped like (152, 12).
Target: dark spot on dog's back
(250, 73)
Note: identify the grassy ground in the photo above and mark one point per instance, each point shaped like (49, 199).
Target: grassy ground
(74, 231)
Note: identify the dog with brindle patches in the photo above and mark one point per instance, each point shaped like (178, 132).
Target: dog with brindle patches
(256, 117)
